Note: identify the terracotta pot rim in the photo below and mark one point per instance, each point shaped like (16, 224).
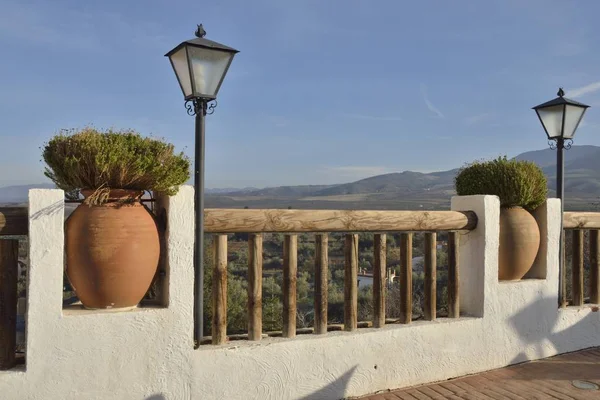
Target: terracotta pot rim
(117, 194)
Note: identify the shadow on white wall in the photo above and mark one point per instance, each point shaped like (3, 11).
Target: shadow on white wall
(335, 390)
(542, 337)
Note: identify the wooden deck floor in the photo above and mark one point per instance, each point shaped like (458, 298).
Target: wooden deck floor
(551, 378)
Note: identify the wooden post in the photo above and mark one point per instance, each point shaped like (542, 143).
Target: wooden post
(577, 267)
(453, 282)
(321, 272)
(290, 276)
(379, 282)
(9, 258)
(351, 283)
(563, 273)
(255, 264)
(594, 267)
(430, 264)
(406, 278)
(219, 290)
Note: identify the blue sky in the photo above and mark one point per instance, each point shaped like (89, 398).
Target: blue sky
(321, 91)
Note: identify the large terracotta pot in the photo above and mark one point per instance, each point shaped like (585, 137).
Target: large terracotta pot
(519, 243)
(112, 251)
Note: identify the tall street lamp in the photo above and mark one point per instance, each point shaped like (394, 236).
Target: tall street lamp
(560, 118)
(200, 66)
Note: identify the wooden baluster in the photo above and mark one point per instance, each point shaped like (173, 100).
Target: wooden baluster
(219, 290)
(321, 272)
(290, 276)
(9, 259)
(351, 283)
(563, 272)
(577, 267)
(430, 263)
(255, 264)
(594, 267)
(406, 278)
(379, 281)
(453, 282)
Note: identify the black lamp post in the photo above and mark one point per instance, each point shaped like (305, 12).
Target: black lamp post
(200, 65)
(560, 118)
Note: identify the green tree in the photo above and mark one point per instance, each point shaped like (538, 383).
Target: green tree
(272, 305)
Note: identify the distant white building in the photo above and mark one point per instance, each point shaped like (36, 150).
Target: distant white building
(366, 278)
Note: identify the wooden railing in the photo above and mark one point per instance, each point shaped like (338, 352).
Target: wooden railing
(291, 222)
(578, 223)
(220, 222)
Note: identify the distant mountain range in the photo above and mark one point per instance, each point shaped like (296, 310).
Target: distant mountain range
(410, 190)
(394, 190)
(582, 166)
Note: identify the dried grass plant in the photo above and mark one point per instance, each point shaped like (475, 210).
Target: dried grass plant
(113, 159)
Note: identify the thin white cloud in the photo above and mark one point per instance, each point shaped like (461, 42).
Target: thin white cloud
(372, 117)
(475, 119)
(429, 104)
(591, 88)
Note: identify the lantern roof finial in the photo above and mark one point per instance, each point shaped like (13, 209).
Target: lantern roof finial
(200, 32)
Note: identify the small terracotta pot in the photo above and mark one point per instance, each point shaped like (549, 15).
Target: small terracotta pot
(519, 243)
(112, 251)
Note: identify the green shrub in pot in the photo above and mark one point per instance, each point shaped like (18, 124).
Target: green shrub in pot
(521, 187)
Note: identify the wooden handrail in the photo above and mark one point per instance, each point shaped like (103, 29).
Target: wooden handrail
(271, 220)
(581, 220)
(14, 221)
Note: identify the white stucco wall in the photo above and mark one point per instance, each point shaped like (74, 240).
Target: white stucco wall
(148, 353)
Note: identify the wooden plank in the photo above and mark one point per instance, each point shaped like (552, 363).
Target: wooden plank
(255, 266)
(577, 267)
(406, 240)
(453, 280)
(290, 276)
(430, 264)
(594, 267)
(562, 301)
(351, 283)
(268, 220)
(321, 272)
(379, 282)
(9, 258)
(219, 290)
(14, 221)
(581, 220)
